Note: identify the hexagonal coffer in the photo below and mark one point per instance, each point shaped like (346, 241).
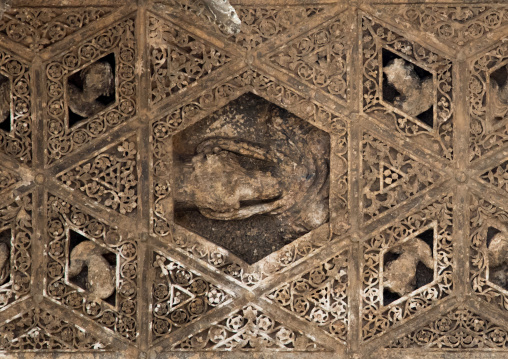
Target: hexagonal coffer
(251, 177)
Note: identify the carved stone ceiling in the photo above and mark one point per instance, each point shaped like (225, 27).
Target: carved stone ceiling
(329, 182)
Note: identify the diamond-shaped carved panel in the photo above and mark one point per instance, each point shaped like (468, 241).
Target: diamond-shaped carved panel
(488, 248)
(90, 89)
(16, 233)
(407, 86)
(91, 268)
(488, 102)
(407, 267)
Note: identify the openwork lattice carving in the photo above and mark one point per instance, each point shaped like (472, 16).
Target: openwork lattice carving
(488, 106)
(395, 286)
(497, 176)
(249, 329)
(205, 104)
(66, 135)
(407, 86)
(319, 296)
(260, 23)
(103, 296)
(16, 233)
(321, 57)
(178, 59)
(180, 296)
(39, 28)
(16, 124)
(389, 177)
(7, 179)
(110, 178)
(460, 328)
(455, 24)
(489, 243)
(329, 179)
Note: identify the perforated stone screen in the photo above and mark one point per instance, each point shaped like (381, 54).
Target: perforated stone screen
(330, 181)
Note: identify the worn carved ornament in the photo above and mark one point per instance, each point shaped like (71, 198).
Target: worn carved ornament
(244, 179)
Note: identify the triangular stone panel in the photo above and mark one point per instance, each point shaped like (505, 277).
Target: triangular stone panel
(37, 28)
(249, 329)
(390, 177)
(110, 178)
(180, 296)
(319, 296)
(460, 328)
(178, 59)
(320, 57)
(37, 329)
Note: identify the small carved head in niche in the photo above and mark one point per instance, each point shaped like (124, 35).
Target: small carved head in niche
(251, 177)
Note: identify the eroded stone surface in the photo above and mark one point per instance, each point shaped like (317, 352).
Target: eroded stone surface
(253, 179)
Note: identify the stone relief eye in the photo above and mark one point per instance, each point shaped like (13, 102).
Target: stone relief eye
(92, 268)
(408, 266)
(408, 87)
(5, 104)
(91, 90)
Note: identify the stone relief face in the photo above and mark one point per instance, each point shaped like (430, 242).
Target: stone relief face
(237, 179)
(251, 177)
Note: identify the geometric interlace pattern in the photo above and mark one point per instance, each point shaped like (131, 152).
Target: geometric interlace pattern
(330, 181)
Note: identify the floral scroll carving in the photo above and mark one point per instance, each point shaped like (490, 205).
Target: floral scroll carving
(68, 224)
(489, 243)
(259, 24)
(380, 44)
(380, 309)
(39, 28)
(38, 329)
(180, 297)
(489, 125)
(460, 328)
(17, 142)
(111, 178)
(320, 58)
(389, 177)
(497, 176)
(454, 25)
(178, 59)
(117, 40)
(16, 233)
(249, 329)
(319, 296)
(7, 179)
